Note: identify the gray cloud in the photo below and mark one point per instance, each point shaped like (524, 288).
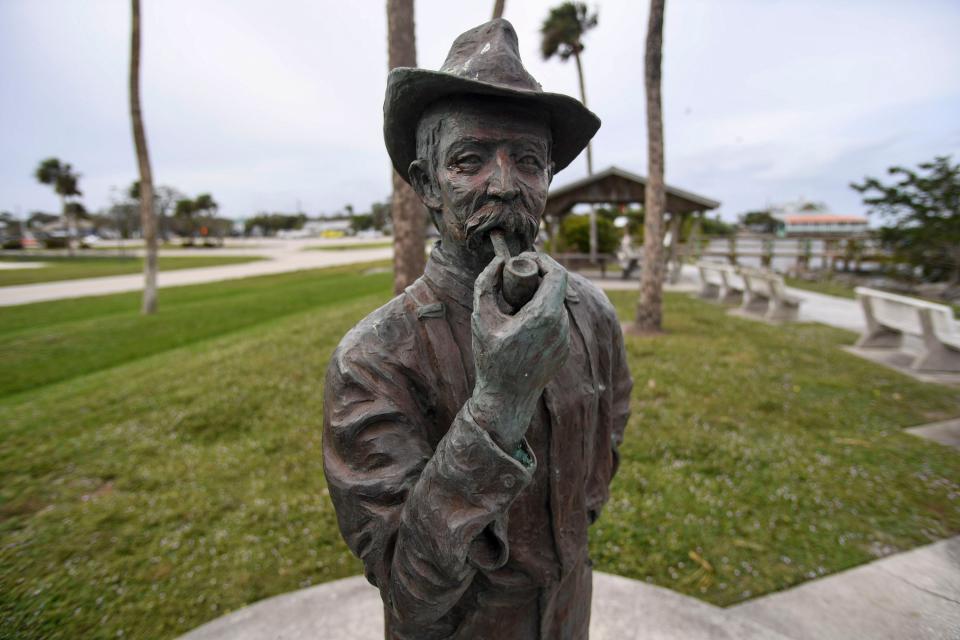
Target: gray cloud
(268, 104)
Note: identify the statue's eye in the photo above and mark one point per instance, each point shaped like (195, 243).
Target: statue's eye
(468, 160)
(530, 161)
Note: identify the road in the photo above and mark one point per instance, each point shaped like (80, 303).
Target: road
(280, 256)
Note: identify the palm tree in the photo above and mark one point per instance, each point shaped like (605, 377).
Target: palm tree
(409, 216)
(148, 216)
(64, 180)
(650, 306)
(498, 8)
(563, 32)
(562, 36)
(184, 210)
(206, 206)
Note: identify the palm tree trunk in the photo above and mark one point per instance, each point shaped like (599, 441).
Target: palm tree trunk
(593, 212)
(650, 306)
(409, 215)
(498, 9)
(148, 218)
(67, 222)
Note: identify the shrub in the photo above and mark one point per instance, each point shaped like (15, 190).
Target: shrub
(575, 235)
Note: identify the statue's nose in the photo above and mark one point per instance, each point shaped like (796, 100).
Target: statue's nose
(503, 181)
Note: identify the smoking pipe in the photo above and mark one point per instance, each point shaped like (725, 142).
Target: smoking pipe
(521, 276)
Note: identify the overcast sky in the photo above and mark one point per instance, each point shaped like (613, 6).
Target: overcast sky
(268, 105)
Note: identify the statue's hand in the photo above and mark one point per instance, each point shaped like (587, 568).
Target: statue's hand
(516, 356)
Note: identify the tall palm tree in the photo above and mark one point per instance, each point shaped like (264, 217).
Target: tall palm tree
(64, 180)
(498, 9)
(562, 36)
(409, 216)
(207, 207)
(185, 210)
(148, 216)
(650, 306)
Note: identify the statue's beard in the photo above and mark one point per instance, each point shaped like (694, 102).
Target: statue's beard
(513, 217)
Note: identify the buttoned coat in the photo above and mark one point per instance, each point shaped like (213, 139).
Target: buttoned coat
(428, 501)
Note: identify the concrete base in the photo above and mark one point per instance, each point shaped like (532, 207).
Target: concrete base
(910, 595)
(905, 596)
(350, 609)
(946, 432)
(900, 361)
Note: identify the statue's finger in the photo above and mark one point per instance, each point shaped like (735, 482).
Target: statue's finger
(487, 285)
(547, 263)
(549, 296)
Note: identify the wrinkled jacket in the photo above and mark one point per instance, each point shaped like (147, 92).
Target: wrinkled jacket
(424, 496)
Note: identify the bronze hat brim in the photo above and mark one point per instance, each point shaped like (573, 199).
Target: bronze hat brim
(410, 91)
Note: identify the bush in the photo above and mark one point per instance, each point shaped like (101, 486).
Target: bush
(54, 242)
(575, 235)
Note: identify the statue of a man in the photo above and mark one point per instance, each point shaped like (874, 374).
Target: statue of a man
(468, 445)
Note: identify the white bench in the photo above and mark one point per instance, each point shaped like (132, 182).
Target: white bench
(890, 317)
(719, 281)
(765, 295)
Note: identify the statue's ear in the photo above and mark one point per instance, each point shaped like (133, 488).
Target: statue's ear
(423, 183)
(550, 167)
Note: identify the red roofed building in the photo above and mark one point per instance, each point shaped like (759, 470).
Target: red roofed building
(820, 224)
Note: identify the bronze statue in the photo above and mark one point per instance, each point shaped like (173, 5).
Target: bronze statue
(471, 430)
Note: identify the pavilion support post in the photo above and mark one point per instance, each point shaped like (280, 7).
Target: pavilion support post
(593, 234)
(695, 235)
(732, 253)
(674, 257)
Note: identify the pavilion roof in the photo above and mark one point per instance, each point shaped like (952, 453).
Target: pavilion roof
(616, 186)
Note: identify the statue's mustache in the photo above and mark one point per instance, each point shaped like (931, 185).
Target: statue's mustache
(513, 218)
(491, 212)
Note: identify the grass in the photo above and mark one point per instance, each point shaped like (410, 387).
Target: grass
(759, 457)
(347, 247)
(177, 478)
(827, 287)
(65, 268)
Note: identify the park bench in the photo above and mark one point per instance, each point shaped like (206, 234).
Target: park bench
(890, 317)
(578, 261)
(719, 281)
(765, 295)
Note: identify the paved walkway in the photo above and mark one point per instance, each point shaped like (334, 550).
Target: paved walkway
(816, 307)
(912, 595)
(280, 257)
(350, 609)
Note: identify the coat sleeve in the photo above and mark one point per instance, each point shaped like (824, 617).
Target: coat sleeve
(422, 519)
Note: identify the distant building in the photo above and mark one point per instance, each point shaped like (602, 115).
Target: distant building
(820, 224)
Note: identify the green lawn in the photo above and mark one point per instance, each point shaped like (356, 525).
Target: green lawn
(169, 470)
(65, 268)
(828, 287)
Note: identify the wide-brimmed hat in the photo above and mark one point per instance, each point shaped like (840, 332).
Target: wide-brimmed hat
(483, 61)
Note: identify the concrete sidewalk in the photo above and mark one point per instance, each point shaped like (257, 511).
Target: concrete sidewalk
(350, 609)
(816, 307)
(912, 595)
(280, 259)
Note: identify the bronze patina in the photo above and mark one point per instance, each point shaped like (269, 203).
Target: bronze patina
(471, 424)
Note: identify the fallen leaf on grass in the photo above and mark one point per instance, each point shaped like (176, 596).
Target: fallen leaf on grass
(747, 544)
(852, 441)
(703, 562)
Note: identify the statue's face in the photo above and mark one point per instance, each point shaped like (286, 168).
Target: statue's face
(491, 170)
